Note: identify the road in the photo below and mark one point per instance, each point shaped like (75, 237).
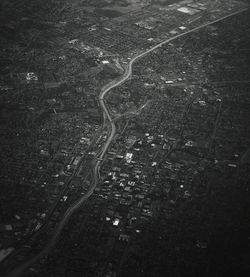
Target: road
(96, 170)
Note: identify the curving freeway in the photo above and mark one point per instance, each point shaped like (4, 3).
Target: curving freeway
(96, 169)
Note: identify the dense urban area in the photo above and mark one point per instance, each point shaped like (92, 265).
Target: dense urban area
(125, 138)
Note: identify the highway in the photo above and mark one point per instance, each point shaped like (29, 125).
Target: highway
(96, 169)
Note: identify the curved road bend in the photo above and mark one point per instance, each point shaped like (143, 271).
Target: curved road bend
(20, 268)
